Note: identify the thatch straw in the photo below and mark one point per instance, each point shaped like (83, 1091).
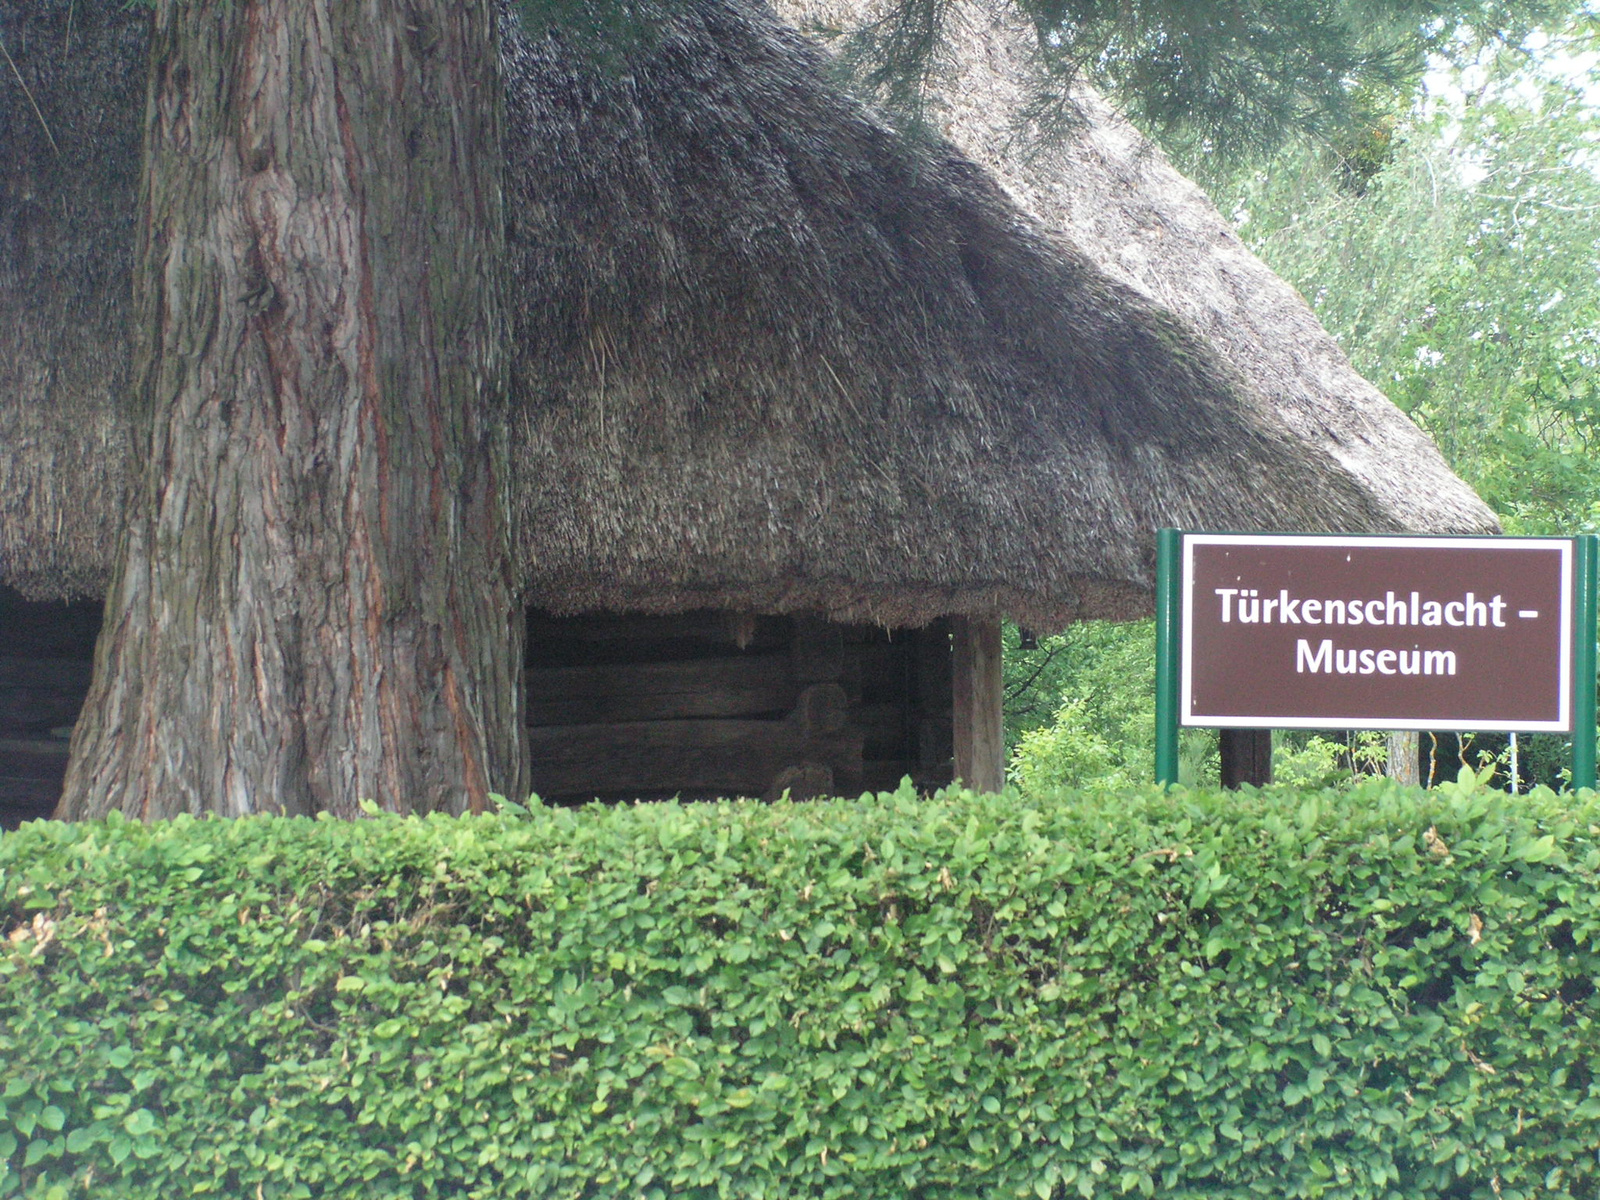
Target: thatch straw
(1115, 194)
(69, 157)
(774, 356)
(771, 356)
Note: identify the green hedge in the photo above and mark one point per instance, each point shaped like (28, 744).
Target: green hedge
(1371, 993)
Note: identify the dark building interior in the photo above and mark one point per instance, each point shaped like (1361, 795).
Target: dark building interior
(46, 655)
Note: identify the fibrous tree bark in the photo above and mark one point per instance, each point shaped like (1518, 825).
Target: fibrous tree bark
(1404, 765)
(313, 603)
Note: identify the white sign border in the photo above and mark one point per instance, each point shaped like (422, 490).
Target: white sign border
(1188, 720)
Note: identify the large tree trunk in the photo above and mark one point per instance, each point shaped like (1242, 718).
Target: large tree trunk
(313, 604)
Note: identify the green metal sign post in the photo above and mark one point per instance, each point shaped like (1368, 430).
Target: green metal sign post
(1169, 611)
(1584, 579)
(1302, 631)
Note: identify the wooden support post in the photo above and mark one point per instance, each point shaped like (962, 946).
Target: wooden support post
(1169, 651)
(1246, 757)
(975, 676)
(1586, 582)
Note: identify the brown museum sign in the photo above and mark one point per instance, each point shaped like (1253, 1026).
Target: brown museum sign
(1288, 631)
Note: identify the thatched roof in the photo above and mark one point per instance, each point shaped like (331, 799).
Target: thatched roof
(68, 178)
(1114, 194)
(773, 356)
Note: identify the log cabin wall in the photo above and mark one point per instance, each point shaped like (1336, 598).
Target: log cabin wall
(703, 705)
(712, 704)
(46, 656)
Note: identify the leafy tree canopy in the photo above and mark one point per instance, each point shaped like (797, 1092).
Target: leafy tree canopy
(1227, 75)
(1463, 276)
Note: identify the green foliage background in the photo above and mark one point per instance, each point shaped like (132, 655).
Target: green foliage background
(1358, 994)
(1080, 710)
(1463, 277)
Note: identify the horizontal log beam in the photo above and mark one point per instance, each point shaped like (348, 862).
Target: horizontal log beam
(715, 627)
(40, 693)
(717, 687)
(46, 673)
(734, 757)
(49, 749)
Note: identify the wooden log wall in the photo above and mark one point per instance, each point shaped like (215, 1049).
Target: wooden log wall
(713, 704)
(702, 705)
(46, 655)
